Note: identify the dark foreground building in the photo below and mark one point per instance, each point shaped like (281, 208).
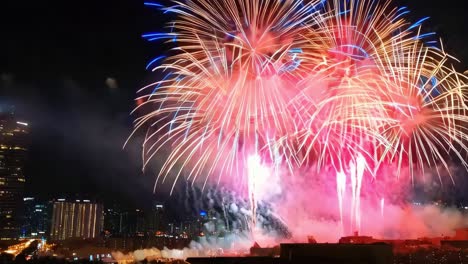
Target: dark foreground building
(337, 253)
(317, 254)
(14, 139)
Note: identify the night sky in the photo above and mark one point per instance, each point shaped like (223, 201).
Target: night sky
(55, 58)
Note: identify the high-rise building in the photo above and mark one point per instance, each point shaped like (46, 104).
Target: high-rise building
(113, 220)
(132, 222)
(14, 139)
(37, 217)
(156, 219)
(80, 219)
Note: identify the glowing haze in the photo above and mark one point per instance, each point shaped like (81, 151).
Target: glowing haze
(313, 106)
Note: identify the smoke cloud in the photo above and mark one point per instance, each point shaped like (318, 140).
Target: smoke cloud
(389, 207)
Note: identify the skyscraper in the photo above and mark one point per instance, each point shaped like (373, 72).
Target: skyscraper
(80, 219)
(113, 220)
(14, 137)
(37, 216)
(156, 219)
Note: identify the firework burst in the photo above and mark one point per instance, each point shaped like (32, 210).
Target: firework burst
(380, 90)
(299, 83)
(230, 83)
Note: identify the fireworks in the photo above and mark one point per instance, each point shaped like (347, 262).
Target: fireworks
(341, 84)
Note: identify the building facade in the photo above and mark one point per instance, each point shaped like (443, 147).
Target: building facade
(14, 141)
(80, 219)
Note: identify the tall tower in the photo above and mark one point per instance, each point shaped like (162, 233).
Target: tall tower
(14, 138)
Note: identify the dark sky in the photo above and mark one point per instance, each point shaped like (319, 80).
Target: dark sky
(55, 57)
(55, 63)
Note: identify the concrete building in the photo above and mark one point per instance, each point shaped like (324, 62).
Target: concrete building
(79, 219)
